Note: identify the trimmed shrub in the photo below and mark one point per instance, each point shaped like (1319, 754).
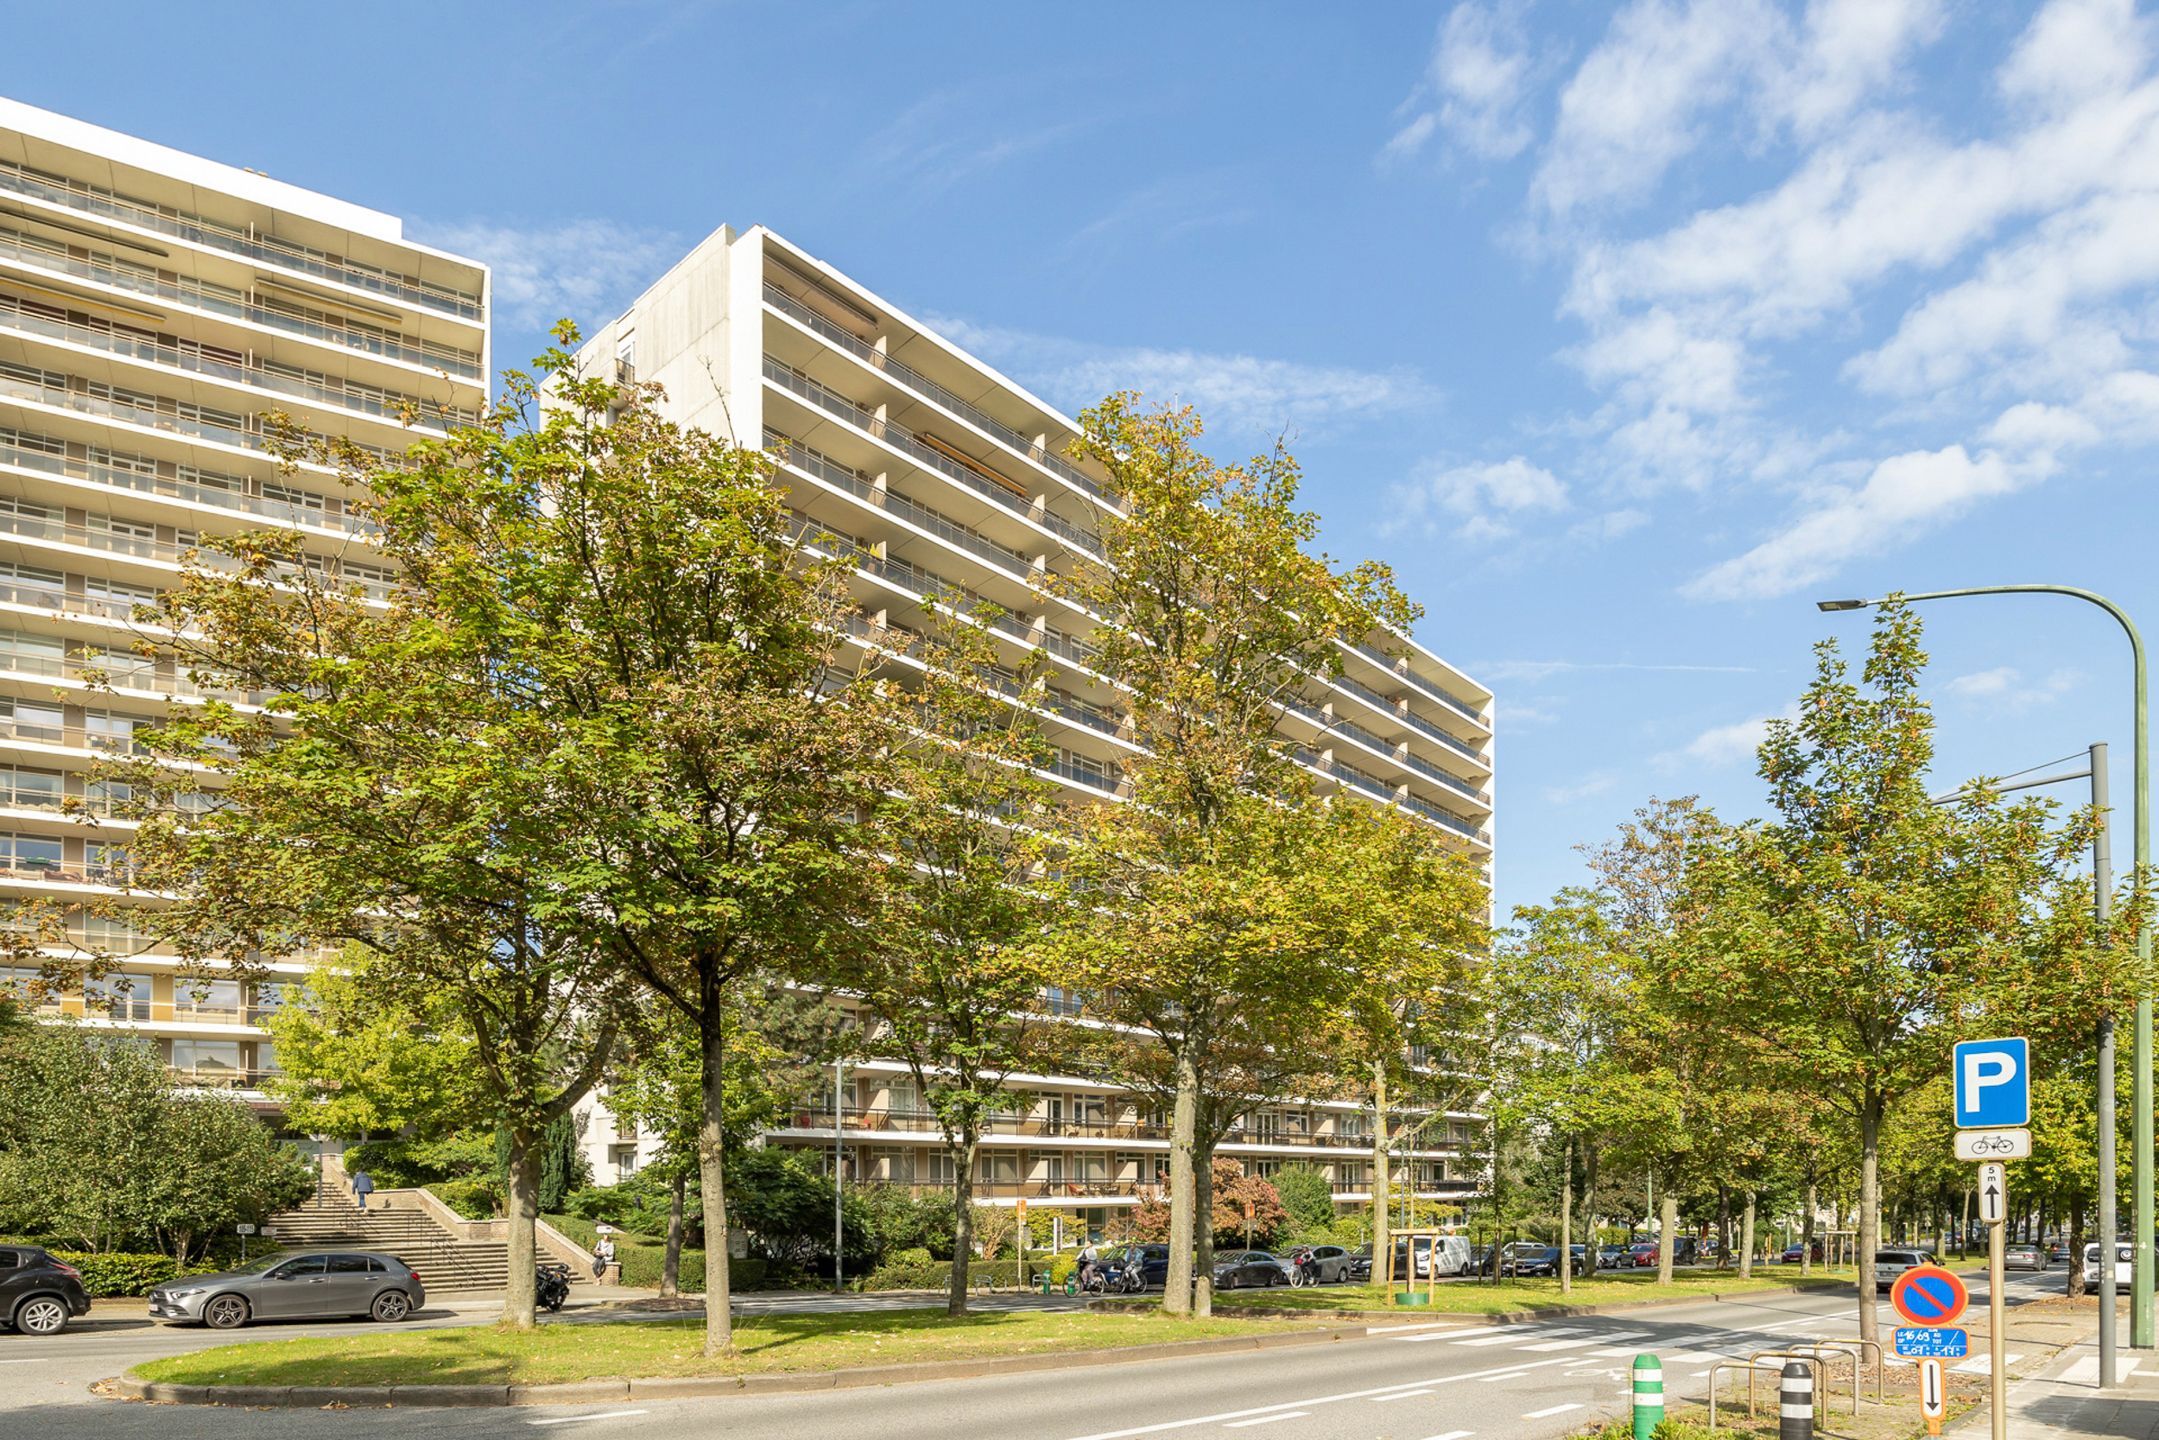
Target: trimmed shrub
(935, 1275)
(119, 1273)
(473, 1199)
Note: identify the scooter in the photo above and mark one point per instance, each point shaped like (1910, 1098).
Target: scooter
(551, 1286)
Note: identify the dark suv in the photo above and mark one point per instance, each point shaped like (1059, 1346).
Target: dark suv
(38, 1294)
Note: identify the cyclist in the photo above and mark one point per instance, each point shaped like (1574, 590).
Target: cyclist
(1089, 1258)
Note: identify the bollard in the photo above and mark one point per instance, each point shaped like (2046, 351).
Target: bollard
(1648, 1396)
(1795, 1403)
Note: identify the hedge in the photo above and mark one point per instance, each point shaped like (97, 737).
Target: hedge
(937, 1274)
(641, 1257)
(119, 1273)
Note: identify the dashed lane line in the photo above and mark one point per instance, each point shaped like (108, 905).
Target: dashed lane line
(1452, 1435)
(1267, 1419)
(601, 1415)
(1412, 1394)
(1549, 1411)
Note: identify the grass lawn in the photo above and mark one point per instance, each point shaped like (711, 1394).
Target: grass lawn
(1462, 1297)
(592, 1351)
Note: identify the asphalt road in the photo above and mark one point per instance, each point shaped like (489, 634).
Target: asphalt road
(1421, 1382)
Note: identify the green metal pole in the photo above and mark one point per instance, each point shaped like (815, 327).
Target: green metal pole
(2140, 1283)
(1648, 1396)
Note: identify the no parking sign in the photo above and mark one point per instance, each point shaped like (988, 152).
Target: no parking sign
(1929, 1295)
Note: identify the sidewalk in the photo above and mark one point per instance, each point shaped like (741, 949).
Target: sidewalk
(2066, 1403)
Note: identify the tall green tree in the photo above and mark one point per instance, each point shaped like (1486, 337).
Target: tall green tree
(645, 593)
(1215, 609)
(354, 1067)
(1863, 928)
(953, 972)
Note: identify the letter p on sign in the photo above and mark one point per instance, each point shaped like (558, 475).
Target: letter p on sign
(1994, 1083)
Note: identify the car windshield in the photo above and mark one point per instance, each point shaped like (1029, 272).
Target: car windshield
(256, 1267)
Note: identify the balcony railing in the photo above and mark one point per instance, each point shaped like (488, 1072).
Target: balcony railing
(1410, 718)
(200, 230)
(921, 516)
(220, 300)
(387, 404)
(38, 457)
(930, 390)
(918, 1121)
(39, 597)
(199, 426)
(1424, 686)
(900, 438)
(220, 1078)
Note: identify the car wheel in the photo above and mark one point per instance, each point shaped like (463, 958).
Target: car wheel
(226, 1312)
(393, 1305)
(41, 1315)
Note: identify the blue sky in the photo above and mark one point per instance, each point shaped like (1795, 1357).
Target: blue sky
(1622, 331)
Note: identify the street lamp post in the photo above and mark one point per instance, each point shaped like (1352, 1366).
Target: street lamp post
(2140, 1280)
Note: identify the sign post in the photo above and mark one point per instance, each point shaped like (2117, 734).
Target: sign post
(1993, 1093)
(1930, 1395)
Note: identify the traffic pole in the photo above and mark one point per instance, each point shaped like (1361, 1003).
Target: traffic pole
(1648, 1396)
(1795, 1403)
(1997, 1314)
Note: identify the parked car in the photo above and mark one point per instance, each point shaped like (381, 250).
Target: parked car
(294, 1287)
(38, 1294)
(1152, 1260)
(1611, 1257)
(1332, 1261)
(1686, 1250)
(1544, 1260)
(2059, 1250)
(2024, 1257)
(1889, 1264)
(1449, 1253)
(1360, 1264)
(2123, 1257)
(1644, 1255)
(1796, 1249)
(1248, 1267)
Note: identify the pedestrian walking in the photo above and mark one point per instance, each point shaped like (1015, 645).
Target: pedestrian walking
(363, 1185)
(603, 1255)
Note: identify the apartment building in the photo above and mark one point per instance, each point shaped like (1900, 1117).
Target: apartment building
(154, 308)
(929, 471)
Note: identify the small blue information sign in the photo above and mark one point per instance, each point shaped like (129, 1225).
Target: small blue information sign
(1928, 1342)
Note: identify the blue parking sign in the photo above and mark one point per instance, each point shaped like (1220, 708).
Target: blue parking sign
(1994, 1084)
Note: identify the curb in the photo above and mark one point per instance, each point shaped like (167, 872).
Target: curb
(1418, 1314)
(582, 1392)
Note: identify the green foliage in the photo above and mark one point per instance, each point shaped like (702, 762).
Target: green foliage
(473, 1199)
(637, 1205)
(401, 1163)
(933, 1275)
(1308, 1196)
(118, 1272)
(356, 1061)
(97, 1147)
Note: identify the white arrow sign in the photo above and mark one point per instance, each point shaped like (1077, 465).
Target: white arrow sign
(1993, 1193)
(1930, 1389)
(1994, 1144)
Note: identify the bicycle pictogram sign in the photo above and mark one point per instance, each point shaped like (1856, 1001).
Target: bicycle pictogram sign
(1929, 1295)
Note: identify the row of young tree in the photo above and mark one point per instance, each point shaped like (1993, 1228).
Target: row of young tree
(1767, 1008)
(621, 758)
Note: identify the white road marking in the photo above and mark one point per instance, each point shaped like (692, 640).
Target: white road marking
(1510, 1339)
(1554, 1410)
(1447, 1325)
(602, 1415)
(1562, 1344)
(1267, 1419)
(1452, 1435)
(1407, 1394)
(1317, 1400)
(1448, 1332)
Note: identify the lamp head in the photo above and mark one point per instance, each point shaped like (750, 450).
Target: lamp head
(1834, 605)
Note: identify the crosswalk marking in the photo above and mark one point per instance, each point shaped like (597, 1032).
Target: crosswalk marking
(1561, 1345)
(1510, 1339)
(1550, 1410)
(1449, 1332)
(1398, 1395)
(1451, 1435)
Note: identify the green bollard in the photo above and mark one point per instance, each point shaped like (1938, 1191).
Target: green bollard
(1648, 1396)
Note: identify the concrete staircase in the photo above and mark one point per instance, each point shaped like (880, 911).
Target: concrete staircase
(446, 1263)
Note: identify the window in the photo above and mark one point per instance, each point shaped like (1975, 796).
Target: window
(26, 789)
(29, 720)
(32, 654)
(104, 861)
(1091, 1166)
(297, 1269)
(624, 1158)
(104, 730)
(207, 1058)
(349, 1265)
(123, 997)
(936, 1168)
(297, 499)
(211, 999)
(36, 853)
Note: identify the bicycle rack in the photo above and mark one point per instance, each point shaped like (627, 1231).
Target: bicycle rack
(1854, 1348)
(1752, 1365)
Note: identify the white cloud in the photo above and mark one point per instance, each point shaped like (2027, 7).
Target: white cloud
(1634, 106)
(1584, 789)
(1243, 395)
(1903, 496)
(1846, 49)
(2004, 687)
(2074, 49)
(1721, 746)
(1474, 88)
(584, 270)
(1483, 500)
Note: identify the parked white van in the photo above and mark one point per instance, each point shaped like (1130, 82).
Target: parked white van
(2122, 1263)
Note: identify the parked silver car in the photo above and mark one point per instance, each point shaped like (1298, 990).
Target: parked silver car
(326, 1285)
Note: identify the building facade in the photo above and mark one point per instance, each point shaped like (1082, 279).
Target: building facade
(155, 308)
(930, 472)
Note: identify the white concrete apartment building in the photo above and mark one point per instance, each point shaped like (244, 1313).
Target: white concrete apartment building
(154, 306)
(930, 471)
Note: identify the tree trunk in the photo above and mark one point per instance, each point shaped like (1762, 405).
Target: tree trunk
(1589, 1194)
(2076, 1247)
(1964, 1230)
(963, 1223)
(1667, 1232)
(1724, 1227)
(1806, 1234)
(1566, 1217)
(1381, 1178)
(1746, 1239)
(518, 1302)
(711, 1142)
(671, 1259)
(1870, 1212)
(1183, 1132)
(1202, 1234)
